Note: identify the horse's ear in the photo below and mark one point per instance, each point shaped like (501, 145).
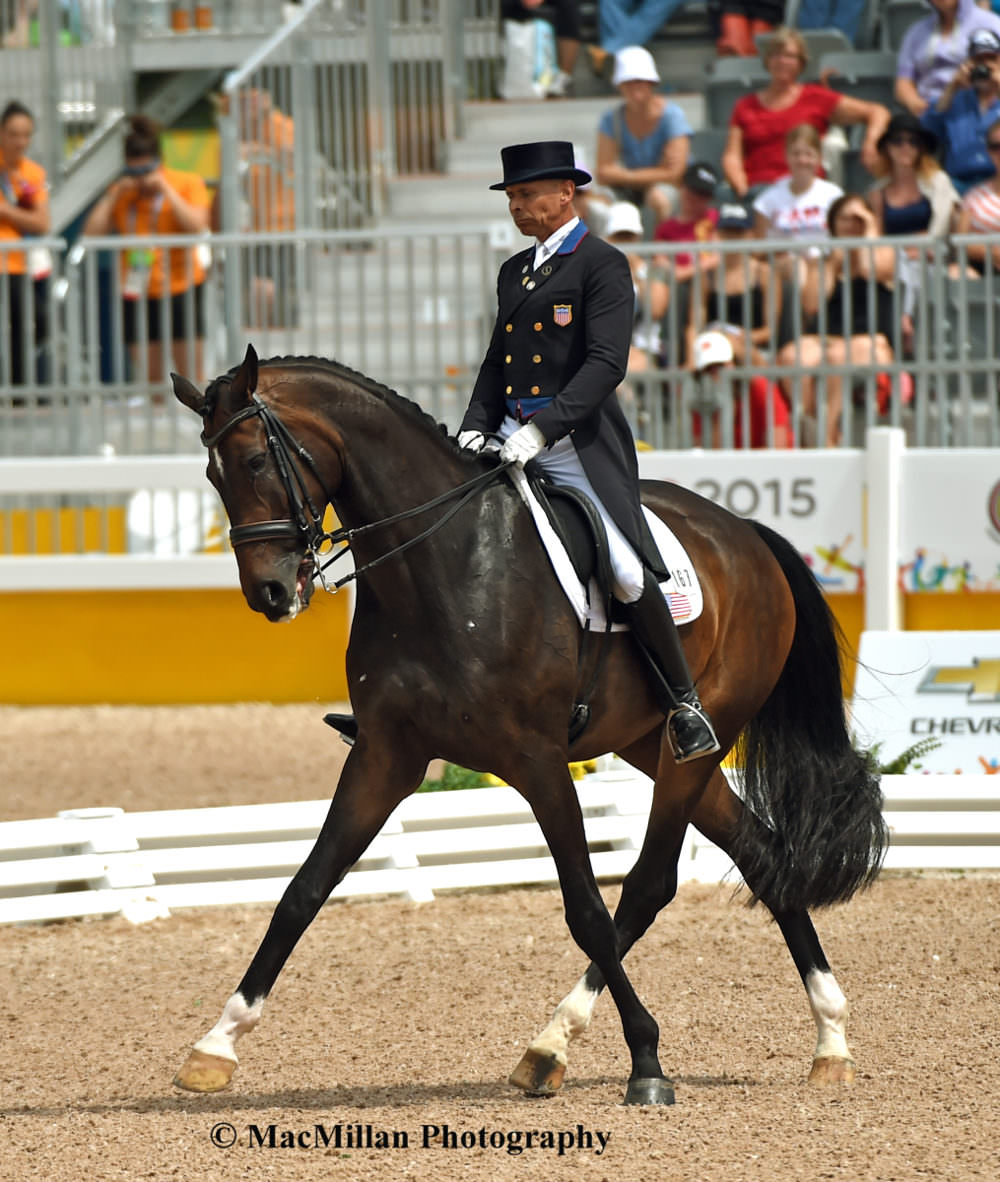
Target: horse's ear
(245, 378)
(188, 393)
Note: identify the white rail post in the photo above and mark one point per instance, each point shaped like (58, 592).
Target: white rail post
(884, 450)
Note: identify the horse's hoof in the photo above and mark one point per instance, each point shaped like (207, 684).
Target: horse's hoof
(538, 1074)
(205, 1073)
(649, 1091)
(829, 1069)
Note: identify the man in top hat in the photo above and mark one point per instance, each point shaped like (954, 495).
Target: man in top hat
(546, 388)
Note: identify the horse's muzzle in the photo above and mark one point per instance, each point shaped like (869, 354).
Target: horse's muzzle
(284, 592)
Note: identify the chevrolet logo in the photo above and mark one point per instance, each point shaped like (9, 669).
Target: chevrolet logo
(980, 681)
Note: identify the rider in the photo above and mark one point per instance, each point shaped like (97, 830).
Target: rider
(547, 389)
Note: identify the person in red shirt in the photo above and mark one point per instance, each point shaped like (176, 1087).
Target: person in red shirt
(755, 149)
(763, 405)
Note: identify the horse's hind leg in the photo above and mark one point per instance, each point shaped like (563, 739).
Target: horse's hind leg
(370, 788)
(716, 817)
(647, 889)
(549, 789)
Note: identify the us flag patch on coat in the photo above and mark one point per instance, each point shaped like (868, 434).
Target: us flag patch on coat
(562, 314)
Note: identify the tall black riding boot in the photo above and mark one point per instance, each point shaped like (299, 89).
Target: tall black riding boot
(689, 727)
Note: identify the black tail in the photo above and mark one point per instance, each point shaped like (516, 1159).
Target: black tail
(819, 799)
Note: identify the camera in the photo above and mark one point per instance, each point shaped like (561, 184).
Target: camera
(140, 170)
(980, 72)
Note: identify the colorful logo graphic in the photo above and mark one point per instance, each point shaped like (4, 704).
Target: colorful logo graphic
(980, 681)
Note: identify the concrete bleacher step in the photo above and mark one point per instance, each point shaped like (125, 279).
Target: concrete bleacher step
(472, 163)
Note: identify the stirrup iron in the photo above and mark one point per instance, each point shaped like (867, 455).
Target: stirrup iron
(690, 731)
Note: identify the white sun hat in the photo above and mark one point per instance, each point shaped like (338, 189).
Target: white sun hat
(623, 218)
(712, 348)
(634, 64)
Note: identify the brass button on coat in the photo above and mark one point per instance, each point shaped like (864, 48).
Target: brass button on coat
(535, 390)
(509, 327)
(510, 389)
(507, 359)
(537, 357)
(538, 326)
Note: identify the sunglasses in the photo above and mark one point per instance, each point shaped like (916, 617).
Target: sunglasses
(904, 138)
(993, 145)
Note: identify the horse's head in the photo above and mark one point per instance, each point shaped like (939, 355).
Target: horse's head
(269, 484)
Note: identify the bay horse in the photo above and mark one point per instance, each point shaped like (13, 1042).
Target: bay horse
(464, 648)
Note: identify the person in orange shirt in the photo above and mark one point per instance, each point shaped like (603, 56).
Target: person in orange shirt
(24, 211)
(149, 199)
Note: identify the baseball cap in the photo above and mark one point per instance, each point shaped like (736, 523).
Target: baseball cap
(983, 41)
(700, 178)
(634, 64)
(623, 218)
(712, 348)
(733, 216)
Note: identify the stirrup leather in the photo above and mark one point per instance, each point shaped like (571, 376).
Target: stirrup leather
(697, 737)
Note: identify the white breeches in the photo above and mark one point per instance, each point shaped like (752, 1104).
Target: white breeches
(561, 465)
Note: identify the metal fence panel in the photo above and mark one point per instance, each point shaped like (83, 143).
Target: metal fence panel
(82, 369)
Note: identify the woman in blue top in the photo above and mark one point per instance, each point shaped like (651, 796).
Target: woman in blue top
(643, 144)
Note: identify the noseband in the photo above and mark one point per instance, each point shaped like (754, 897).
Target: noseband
(305, 525)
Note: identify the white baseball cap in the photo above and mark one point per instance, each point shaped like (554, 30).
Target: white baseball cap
(623, 218)
(634, 64)
(712, 348)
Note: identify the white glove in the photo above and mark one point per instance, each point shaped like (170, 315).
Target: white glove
(471, 440)
(523, 445)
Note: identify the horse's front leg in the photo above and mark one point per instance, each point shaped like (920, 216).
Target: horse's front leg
(646, 890)
(549, 789)
(371, 785)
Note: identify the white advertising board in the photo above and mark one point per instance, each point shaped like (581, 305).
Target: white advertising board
(950, 520)
(814, 498)
(918, 685)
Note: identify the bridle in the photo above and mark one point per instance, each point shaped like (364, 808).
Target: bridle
(305, 524)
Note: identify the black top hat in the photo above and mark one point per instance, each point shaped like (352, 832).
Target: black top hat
(548, 160)
(905, 123)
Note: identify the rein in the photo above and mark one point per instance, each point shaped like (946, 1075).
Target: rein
(306, 522)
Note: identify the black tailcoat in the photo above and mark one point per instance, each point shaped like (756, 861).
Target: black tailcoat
(563, 332)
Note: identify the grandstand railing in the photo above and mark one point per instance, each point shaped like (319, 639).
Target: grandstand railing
(415, 310)
(377, 85)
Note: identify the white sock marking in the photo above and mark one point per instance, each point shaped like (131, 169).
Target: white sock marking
(829, 1007)
(571, 1019)
(237, 1019)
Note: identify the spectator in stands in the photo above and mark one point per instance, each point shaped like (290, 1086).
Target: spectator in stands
(754, 155)
(795, 207)
(24, 211)
(738, 294)
(695, 221)
(980, 212)
(844, 15)
(149, 199)
(267, 177)
(643, 144)
(622, 23)
(934, 48)
(624, 229)
(764, 404)
(740, 21)
(967, 106)
(913, 195)
(565, 18)
(858, 341)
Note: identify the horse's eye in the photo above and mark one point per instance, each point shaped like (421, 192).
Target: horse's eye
(257, 463)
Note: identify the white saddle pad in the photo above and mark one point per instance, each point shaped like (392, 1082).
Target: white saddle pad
(682, 590)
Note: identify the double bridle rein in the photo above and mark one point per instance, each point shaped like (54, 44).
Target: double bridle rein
(306, 521)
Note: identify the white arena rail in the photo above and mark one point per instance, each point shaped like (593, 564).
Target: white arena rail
(107, 862)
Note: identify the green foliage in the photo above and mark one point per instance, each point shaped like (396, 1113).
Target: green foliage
(454, 777)
(905, 761)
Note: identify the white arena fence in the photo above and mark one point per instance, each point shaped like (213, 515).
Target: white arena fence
(103, 862)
